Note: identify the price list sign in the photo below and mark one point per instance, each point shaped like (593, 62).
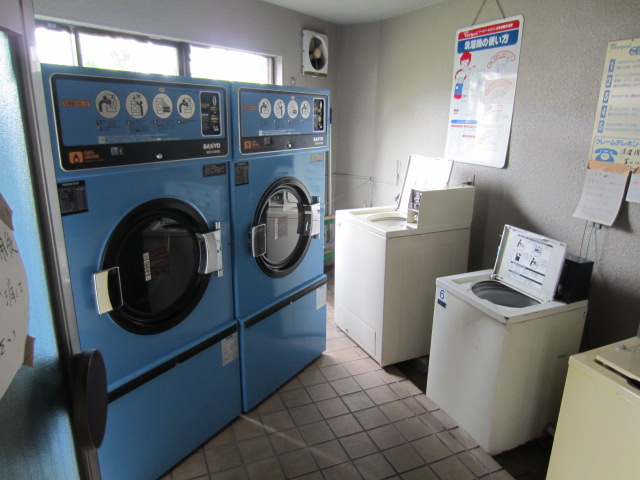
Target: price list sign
(14, 301)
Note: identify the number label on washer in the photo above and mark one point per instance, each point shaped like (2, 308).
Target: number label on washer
(442, 298)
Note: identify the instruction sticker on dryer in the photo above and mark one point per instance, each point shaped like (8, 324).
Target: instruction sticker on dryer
(229, 349)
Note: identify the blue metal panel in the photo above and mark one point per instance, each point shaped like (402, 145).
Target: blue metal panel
(152, 428)
(281, 344)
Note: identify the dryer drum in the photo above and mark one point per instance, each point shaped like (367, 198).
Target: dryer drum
(156, 248)
(281, 211)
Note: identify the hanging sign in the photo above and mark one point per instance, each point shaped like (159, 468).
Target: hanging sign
(14, 301)
(602, 192)
(483, 91)
(616, 130)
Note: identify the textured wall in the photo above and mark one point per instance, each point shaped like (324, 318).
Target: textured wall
(562, 57)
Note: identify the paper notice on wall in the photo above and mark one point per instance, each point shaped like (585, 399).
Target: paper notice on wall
(602, 192)
(14, 301)
(483, 92)
(633, 194)
(616, 130)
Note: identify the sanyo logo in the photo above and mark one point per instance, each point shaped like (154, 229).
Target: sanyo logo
(318, 139)
(211, 146)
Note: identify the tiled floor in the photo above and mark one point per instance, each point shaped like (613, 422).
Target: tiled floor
(341, 418)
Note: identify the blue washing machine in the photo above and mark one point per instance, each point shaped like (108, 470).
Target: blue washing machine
(142, 171)
(281, 140)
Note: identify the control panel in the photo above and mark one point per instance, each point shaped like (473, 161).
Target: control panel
(274, 120)
(105, 122)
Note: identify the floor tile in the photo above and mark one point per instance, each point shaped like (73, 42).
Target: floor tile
(238, 473)
(368, 380)
(403, 458)
(451, 469)
(431, 449)
(374, 467)
(334, 372)
(255, 449)
(296, 397)
(396, 411)
(386, 437)
(329, 454)
(421, 473)
(267, 469)
(332, 407)
(287, 441)
(344, 425)
(412, 428)
(358, 445)
(305, 414)
(277, 421)
(298, 463)
(345, 386)
(192, 467)
(344, 471)
(321, 391)
(316, 433)
(222, 458)
(371, 418)
(357, 401)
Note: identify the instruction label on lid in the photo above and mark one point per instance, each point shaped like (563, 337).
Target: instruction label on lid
(529, 263)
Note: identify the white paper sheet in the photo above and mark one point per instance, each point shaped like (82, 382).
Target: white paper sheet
(602, 195)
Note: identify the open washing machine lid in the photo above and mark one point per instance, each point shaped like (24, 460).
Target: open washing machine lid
(529, 263)
(423, 173)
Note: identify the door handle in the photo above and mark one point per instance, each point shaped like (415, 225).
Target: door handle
(259, 240)
(210, 244)
(107, 290)
(312, 218)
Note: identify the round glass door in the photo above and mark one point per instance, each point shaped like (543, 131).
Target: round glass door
(157, 251)
(281, 212)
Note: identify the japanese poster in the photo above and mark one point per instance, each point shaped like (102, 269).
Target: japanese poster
(483, 91)
(14, 301)
(616, 130)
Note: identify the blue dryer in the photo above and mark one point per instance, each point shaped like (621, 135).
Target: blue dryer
(142, 170)
(281, 140)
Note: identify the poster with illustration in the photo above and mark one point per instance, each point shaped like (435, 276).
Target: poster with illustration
(616, 130)
(483, 90)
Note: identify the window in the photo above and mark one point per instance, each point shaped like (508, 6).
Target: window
(71, 45)
(127, 53)
(226, 64)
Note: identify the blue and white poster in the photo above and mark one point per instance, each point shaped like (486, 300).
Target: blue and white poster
(483, 90)
(616, 130)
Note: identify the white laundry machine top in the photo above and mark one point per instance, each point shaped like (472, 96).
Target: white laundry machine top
(448, 208)
(522, 284)
(443, 207)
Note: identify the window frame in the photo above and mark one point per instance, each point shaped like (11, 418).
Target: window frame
(183, 49)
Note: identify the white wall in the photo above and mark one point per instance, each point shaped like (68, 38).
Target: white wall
(562, 57)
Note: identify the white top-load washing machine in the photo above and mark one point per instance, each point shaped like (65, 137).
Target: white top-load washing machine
(598, 429)
(501, 343)
(386, 266)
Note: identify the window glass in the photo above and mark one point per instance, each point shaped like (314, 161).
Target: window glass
(55, 46)
(228, 64)
(117, 53)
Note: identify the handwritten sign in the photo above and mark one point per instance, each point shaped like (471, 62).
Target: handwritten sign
(602, 192)
(14, 301)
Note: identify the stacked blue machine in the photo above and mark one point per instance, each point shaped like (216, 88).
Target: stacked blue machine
(143, 178)
(280, 144)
